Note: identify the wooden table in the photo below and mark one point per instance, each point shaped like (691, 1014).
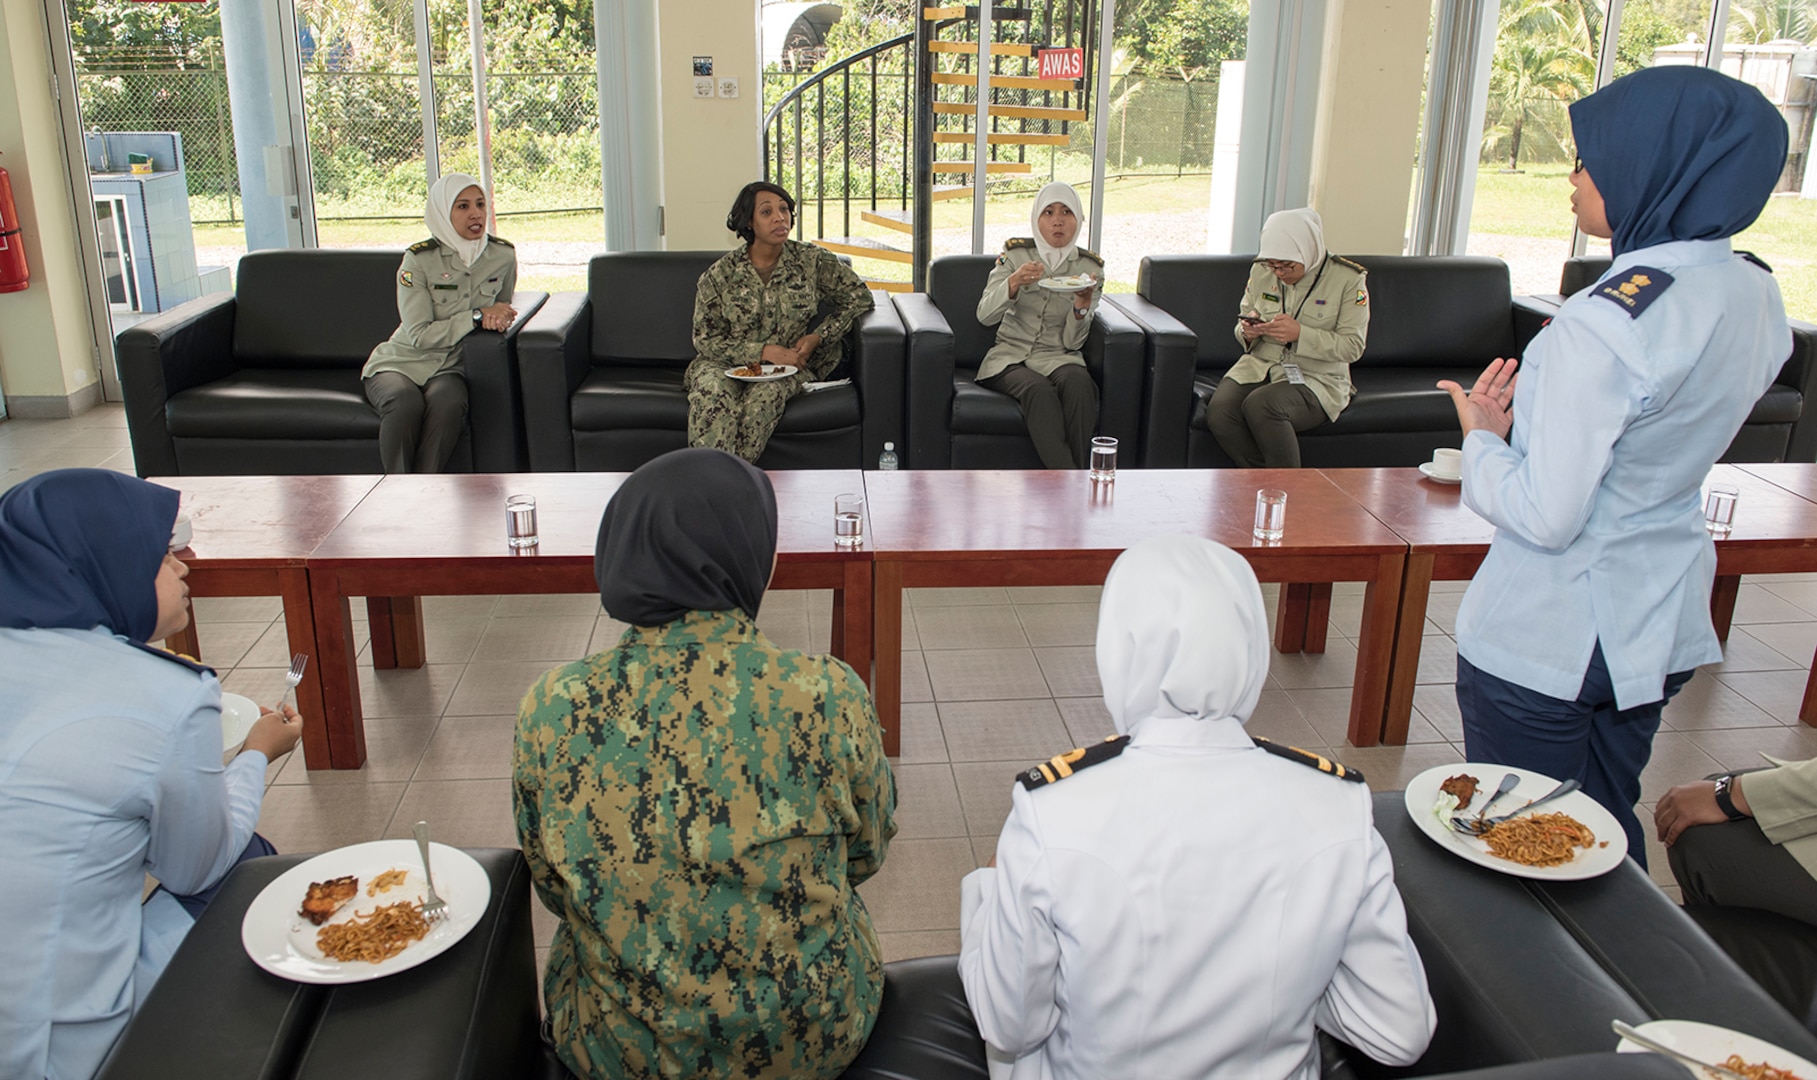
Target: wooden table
(440, 535)
(934, 528)
(1790, 554)
(253, 535)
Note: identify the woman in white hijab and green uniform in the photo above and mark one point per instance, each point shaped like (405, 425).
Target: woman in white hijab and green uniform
(1040, 331)
(1304, 321)
(458, 281)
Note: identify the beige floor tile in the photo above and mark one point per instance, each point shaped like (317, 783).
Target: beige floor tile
(1450, 586)
(1794, 641)
(910, 944)
(607, 633)
(969, 627)
(984, 849)
(1020, 731)
(1055, 594)
(548, 605)
(420, 691)
(789, 629)
(459, 607)
(1438, 705)
(819, 602)
(550, 639)
(273, 649)
(495, 689)
(1441, 611)
(542, 928)
(927, 803)
(1276, 718)
(1388, 768)
(918, 886)
(225, 644)
(922, 739)
(1087, 720)
(1328, 711)
(394, 745)
(260, 609)
(1346, 616)
(916, 686)
(1677, 759)
(779, 601)
(1800, 594)
(451, 639)
(1659, 866)
(1740, 748)
(259, 684)
(1421, 730)
(461, 813)
(931, 598)
(1059, 624)
(1758, 604)
(1071, 671)
(1777, 693)
(1745, 652)
(983, 675)
(1336, 666)
(1438, 660)
(1706, 702)
(307, 818)
(469, 748)
(984, 792)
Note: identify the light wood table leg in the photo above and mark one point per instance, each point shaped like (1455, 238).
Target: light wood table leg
(397, 631)
(1723, 594)
(341, 722)
(1404, 666)
(1375, 650)
(886, 688)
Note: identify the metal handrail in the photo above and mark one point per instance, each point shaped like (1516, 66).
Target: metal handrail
(820, 76)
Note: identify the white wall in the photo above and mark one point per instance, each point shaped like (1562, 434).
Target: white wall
(710, 147)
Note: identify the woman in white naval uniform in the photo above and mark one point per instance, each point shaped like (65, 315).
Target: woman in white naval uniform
(1593, 606)
(1183, 901)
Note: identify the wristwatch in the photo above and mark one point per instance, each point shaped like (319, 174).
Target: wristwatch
(477, 316)
(1724, 801)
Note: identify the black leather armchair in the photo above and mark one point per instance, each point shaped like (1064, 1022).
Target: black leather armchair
(953, 423)
(267, 379)
(602, 375)
(1779, 428)
(1433, 318)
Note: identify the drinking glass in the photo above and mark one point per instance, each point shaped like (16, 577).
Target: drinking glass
(1270, 514)
(848, 520)
(1104, 458)
(1719, 509)
(520, 521)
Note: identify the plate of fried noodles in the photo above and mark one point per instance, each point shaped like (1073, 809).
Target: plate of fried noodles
(1753, 1058)
(1568, 839)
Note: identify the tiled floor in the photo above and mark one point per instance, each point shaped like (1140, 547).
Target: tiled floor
(995, 679)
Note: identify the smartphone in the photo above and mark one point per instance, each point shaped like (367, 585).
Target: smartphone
(1251, 319)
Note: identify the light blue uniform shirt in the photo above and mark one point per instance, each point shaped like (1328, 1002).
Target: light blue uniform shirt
(110, 769)
(1596, 501)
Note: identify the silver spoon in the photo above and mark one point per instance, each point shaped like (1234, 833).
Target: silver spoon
(1477, 827)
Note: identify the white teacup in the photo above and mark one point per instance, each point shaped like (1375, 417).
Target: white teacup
(1447, 463)
(181, 533)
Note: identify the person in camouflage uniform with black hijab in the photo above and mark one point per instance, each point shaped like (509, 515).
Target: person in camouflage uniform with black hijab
(773, 301)
(698, 805)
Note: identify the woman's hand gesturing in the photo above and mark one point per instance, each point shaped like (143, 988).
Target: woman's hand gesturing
(1489, 406)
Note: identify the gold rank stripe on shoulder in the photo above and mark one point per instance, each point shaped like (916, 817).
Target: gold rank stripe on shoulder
(1018, 242)
(1061, 766)
(1308, 758)
(426, 245)
(1353, 264)
(1092, 255)
(499, 240)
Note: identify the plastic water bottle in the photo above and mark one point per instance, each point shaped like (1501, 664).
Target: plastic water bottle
(888, 462)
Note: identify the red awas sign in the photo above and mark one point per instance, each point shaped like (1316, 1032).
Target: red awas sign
(1062, 63)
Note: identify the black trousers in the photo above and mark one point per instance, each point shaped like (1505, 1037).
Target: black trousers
(1061, 410)
(1735, 865)
(418, 425)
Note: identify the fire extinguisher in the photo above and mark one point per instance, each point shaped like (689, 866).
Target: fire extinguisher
(14, 274)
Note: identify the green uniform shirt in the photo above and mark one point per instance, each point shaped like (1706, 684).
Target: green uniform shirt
(699, 805)
(1037, 328)
(436, 296)
(1333, 311)
(737, 312)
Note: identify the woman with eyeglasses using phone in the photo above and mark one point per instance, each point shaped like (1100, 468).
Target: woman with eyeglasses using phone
(1304, 320)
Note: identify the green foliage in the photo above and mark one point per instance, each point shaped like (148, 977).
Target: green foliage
(1756, 22)
(1183, 37)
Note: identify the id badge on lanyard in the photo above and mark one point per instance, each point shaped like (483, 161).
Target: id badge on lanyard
(1294, 376)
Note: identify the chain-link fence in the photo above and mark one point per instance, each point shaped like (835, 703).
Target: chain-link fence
(144, 88)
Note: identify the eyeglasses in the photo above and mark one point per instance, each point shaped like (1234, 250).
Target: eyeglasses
(1279, 266)
(1579, 167)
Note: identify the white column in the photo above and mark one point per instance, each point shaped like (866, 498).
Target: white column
(630, 105)
(253, 42)
(1463, 44)
(1280, 110)
(1226, 157)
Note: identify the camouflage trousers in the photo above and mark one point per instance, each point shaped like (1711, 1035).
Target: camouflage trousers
(737, 417)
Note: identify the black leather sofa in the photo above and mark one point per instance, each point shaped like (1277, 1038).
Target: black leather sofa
(1432, 318)
(602, 375)
(1780, 428)
(468, 1014)
(267, 379)
(953, 423)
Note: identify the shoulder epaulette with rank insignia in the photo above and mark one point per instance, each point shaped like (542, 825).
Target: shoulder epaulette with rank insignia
(1092, 255)
(1018, 242)
(1351, 263)
(1756, 260)
(1309, 759)
(1638, 290)
(1061, 766)
(175, 658)
(426, 245)
(499, 240)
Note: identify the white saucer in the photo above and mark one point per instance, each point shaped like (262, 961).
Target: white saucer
(1426, 471)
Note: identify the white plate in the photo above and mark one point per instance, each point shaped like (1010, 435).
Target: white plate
(1068, 284)
(771, 372)
(1710, 1043)
(283, 942)
(1422, 795)
(1427, 472)
(237, 716)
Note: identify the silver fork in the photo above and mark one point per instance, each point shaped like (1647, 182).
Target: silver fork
(1477, 827)
(433, 905)
(293, 677)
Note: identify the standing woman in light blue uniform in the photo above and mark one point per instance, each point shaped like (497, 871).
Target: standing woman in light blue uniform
(1593, 606)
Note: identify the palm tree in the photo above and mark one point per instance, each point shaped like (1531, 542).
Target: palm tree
(1759, 21)
(1540, 63)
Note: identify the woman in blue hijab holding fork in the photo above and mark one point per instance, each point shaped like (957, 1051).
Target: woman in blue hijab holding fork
(1593, 606)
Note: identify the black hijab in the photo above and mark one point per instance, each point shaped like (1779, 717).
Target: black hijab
(693, 530)
(81, 548)
(1679, 153)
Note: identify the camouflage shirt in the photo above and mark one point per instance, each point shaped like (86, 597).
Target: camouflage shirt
(698, 806)
(737, 312)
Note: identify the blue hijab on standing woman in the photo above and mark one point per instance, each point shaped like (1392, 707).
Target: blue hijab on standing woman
(1593, 606)
(110, 766)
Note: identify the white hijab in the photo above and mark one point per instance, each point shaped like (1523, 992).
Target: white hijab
(1182, 633)
(436, 213)
(1056, 192)
(1294, 236)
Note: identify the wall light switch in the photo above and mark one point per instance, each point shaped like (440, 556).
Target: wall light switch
(703, 87)
(728, 88)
